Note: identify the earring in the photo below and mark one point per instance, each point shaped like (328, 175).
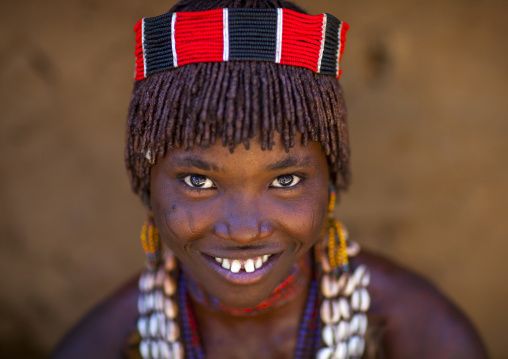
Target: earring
(337, 248)
(151, 242)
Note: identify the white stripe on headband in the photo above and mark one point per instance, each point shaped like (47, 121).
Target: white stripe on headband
(225, 27)
(173, 42)
(278, 48)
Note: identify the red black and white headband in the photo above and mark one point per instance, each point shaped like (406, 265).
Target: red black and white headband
(282, 36)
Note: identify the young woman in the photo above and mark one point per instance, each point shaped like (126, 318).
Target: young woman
(236, 143)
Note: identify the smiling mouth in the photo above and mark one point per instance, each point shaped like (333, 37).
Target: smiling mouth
(243, 271)
(249, 265)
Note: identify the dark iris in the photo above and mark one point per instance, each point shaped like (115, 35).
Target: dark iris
(285, 180)
(197, 181)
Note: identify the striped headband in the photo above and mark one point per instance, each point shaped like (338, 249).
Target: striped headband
(279, 35)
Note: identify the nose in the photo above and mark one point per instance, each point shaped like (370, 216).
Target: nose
(243, 221)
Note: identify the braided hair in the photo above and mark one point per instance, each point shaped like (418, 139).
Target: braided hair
(198, 104)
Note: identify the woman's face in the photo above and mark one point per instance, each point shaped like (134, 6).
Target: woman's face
(239, 221)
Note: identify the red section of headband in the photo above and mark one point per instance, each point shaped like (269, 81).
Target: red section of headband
(199, 36)
(140, 63)
(301, 43)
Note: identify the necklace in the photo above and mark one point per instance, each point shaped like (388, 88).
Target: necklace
(341, 305)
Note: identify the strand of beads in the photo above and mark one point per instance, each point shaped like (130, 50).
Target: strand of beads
(343, 309)
(158, 310)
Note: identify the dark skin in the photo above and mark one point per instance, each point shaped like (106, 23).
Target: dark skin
(241, 211)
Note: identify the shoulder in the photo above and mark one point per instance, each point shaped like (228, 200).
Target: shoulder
(420, 321)
(103, 332)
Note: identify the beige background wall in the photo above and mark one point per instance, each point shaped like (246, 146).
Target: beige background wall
(426, 84)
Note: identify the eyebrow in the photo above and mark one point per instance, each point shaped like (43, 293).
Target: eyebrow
(195, 162)
(290, 162)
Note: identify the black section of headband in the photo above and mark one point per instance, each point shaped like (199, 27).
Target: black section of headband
(252, 34)
(329, 61)
(158, 44)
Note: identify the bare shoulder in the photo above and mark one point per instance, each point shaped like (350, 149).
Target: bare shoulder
(420, 321)
(103, 332)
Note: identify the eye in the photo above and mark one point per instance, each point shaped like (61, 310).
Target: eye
(287, 180)
(198, 181)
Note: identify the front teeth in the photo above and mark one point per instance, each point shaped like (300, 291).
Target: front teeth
(249, 265)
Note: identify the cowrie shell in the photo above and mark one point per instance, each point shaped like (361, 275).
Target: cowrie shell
(344, 308)
(329, 286)
(144, 349)
(342, 330)
(172, 331)
(142, 326)
(169, 285)
(341, 351)
(325, 353)
(329, 335)
(164, 350)
(170, 308)
(177, 350)
(330, 312)
(159, 277)
(355, 300)
(158, 300)
(364, 300)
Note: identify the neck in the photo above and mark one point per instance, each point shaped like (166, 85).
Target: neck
(274, 323)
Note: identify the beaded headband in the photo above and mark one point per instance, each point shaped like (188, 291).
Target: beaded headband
(279, 35)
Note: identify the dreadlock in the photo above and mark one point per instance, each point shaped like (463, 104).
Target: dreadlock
(232, 102)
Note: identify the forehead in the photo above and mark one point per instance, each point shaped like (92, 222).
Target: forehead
(220, 159)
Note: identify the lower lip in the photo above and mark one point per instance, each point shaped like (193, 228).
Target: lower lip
(242, 277)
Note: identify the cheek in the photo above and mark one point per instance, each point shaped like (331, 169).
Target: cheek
(304, 219)
(178, 224)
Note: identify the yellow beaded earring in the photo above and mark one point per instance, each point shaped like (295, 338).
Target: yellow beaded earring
(151, 242)
(337, 248)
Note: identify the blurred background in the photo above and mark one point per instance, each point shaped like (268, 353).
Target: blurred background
(426, 84)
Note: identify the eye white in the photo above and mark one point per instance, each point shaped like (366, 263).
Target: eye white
(291, 180)
(198, 181)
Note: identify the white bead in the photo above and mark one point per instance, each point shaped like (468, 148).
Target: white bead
(170, 308)
(169, 285)
(344, 308)
(142, 329)
(342, 330)
(172, 331)
(341, 351)
(329, 334)
(177, 350)
(330, 312)
(325, 353)
(144, 349)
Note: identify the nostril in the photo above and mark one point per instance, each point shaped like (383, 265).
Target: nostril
(221, 230)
